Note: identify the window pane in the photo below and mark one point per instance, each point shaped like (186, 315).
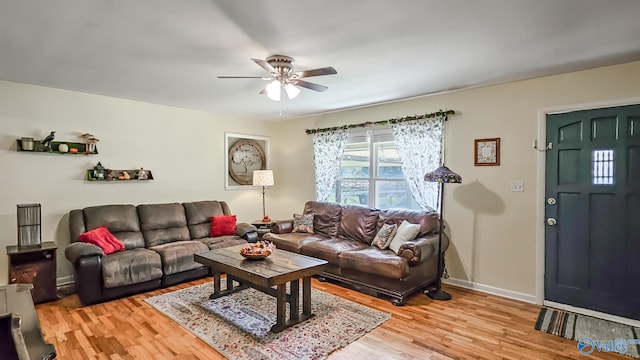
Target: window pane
(394, 194)
(353, 192)
(355, 161)
(388, 161)
(602, 167)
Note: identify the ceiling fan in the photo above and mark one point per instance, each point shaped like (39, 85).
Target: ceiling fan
(283, 79)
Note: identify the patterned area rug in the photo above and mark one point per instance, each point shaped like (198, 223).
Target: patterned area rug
(238, 325)
(592, 334)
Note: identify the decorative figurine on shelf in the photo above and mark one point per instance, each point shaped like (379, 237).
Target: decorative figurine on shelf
(142, 174)
(46, 142)
(89, 143)
(125, 175)
(98, 171)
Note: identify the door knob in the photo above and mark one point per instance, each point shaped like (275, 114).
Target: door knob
(551, 201)
(551, 221)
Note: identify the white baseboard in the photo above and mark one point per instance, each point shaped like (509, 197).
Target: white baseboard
(491, 290)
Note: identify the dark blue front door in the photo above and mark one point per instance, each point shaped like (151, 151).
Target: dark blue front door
(592, 235)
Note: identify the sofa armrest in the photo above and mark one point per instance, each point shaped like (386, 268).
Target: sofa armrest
(282, 226)
(247, 232)
(420, 249)
(78, 250)
(244, 228)
(88, 279)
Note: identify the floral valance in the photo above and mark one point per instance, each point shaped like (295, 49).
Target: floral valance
(437, 114)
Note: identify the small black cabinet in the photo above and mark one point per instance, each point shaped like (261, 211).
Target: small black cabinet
(35, 265)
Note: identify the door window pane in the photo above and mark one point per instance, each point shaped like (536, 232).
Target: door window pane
(602, 170)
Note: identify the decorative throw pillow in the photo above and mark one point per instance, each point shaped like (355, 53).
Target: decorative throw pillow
(385, 235)
(303, 223)
(406, 231)
(223, 225)
(103, 238)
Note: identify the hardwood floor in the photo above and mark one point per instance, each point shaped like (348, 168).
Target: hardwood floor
(472, 325)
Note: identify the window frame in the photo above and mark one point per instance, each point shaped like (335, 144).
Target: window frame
(372, 138)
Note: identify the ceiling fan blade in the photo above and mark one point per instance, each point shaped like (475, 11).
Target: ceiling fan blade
(243, 77)
(263, 91)
(309, 85)
(329, 70)
(265, 65)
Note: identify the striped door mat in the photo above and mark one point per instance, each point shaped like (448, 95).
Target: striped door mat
(591, 333)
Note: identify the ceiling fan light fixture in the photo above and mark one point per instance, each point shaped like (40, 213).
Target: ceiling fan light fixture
(292, 91)
(274, 90)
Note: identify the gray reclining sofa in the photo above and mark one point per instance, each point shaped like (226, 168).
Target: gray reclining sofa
(160, 241)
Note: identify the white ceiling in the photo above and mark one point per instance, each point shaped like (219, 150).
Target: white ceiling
(170, 51)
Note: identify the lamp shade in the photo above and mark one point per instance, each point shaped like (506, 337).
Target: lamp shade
(292, 91)
(263, 178)
(273, 90)
(443, 175)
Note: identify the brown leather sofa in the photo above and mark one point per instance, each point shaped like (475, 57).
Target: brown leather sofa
(343, 235)
(160, 241)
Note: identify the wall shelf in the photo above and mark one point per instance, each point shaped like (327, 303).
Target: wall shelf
(116, 173)
(54, 149)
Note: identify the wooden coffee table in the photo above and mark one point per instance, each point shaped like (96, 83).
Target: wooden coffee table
(270, 276)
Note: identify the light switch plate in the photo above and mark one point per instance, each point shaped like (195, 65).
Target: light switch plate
(517, 186)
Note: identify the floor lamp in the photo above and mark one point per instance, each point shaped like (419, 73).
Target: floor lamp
(441, 175)
(263, 178)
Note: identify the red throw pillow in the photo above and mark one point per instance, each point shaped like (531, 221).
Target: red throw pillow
(223, 225)
(102, 237)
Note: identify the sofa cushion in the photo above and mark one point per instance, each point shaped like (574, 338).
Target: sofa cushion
(223, 225)
(406, 231)
(121, 220)
(329, 249)
(326, 217)
(222, 241)
(292, 241)
(358, 223)
(131, 267)
(373, 260)
(428, 220)
(163, 223)
(384, 236)
(199, 215)
(303, 223)
(103, 238)
(178, 256)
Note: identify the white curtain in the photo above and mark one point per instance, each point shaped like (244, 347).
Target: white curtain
(328, 147)
(420, 145)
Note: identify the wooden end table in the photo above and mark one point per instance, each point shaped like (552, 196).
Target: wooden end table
(262, 226)
(34, 265)
(269, 276)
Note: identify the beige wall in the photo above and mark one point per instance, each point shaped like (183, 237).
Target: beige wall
(183, 148)
(493, 230)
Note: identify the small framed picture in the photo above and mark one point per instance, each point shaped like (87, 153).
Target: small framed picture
(487, 152)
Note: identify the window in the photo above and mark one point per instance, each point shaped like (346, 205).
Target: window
(602, 167)
(371, 173)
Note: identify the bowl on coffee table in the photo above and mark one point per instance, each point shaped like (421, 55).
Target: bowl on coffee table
(258, 251)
